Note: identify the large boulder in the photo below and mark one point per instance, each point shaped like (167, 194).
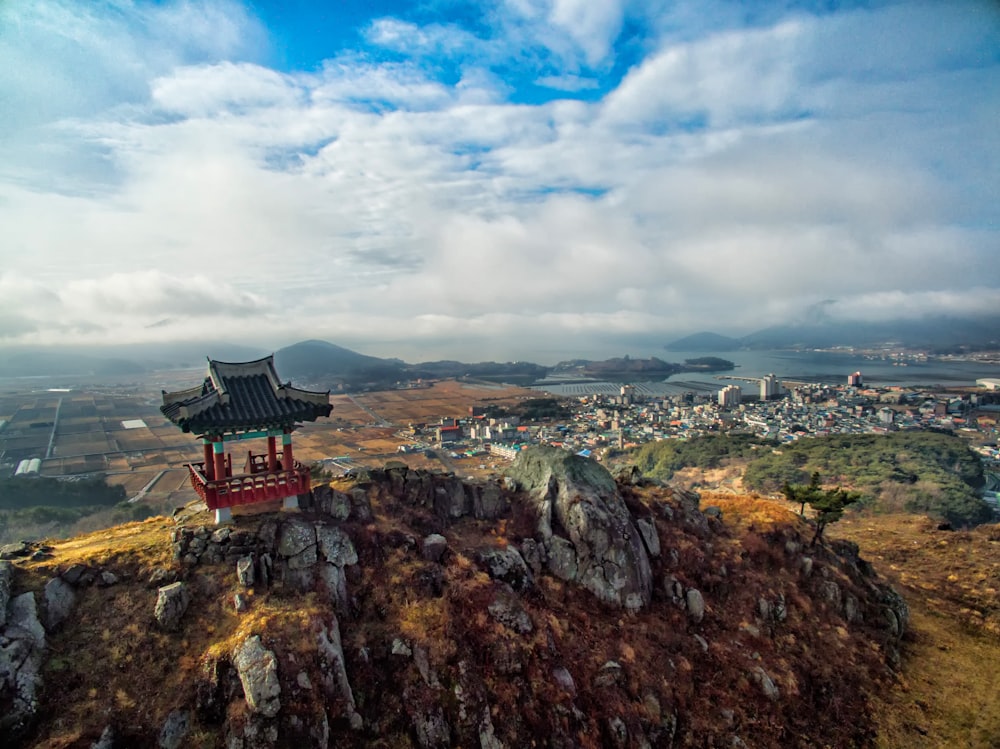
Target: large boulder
(171, 603)
(577, 499)
(59, 602)
(22, 650)
(258, 671)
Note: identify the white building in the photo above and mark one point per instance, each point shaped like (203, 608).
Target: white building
(770, 387)
(730, 396)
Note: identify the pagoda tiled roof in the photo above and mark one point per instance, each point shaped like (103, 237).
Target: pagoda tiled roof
(241, 396)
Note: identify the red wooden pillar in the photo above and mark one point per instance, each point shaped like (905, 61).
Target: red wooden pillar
(272, 455)
(206, 445)
(286, 451)
(219, 448)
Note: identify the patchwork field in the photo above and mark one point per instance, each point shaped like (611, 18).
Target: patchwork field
(81, 431)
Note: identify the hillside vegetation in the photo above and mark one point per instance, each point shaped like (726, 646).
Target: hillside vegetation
(917, 471)
(405, 608)
(41, 506)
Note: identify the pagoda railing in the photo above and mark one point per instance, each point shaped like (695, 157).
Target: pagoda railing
(248, 488)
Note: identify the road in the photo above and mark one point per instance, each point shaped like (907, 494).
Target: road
(379, 421)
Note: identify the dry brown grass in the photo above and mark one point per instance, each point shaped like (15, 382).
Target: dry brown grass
(949, 695)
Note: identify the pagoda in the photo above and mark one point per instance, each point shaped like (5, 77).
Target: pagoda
(245, 401)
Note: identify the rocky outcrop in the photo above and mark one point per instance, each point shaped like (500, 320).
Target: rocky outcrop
(334, 671)
(171, 603)
(444, 494)
(59, 601)
(22, 650)
(575, 499)
(258, 671)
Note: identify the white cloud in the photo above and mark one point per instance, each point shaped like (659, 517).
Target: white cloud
(735, 176)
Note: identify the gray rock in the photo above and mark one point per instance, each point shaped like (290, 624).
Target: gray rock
(15, 550)
(450, 499)
(561, 558)
(487, 733)
(713, 511)
(268, 534)
(334, 581)
(6, 585)
(74, 573)
(695, 604)
(22, 650)
(433, 547)
(647, 529)
(432, 729)
(579, 495)
(297, 543)
(609, 675)
(334, 671)
(107, 579)
(401, 648)
(171, 603)
(852, 609)
(506, 608)
(197, 545)
(360, 504)
(264, 568)
(240, 603)
(302, 679)
(489, 503)
(336, 546)
(340, 506)
(162, 576)
(565, 680)
(59, 602)
(831, 593)
(507, 565)
(767, 686)
(535, 557)
(806, 566)
(258, 671)
(175, 729)
(245, 571)
(617, 732)
(423, 664)
(220, 535)
(106, 741)
(331, 502)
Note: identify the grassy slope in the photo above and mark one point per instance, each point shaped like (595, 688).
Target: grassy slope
(950, 695)
(111, 664)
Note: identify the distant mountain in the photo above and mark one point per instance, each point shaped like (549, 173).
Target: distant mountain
(320, 359)
(704, 342)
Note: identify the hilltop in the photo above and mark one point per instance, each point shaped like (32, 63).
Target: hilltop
(402, 607)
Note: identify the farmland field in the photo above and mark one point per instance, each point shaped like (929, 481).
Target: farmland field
(85, 427)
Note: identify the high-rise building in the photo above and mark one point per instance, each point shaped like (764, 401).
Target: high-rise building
(770, 387)
(730, 396)
(854, 380)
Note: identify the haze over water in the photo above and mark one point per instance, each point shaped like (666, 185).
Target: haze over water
(807, 366)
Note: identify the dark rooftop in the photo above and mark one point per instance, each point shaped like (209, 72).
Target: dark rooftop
(238, 396)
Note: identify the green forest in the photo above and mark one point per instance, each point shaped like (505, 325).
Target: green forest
(41, 507)
(920, 471)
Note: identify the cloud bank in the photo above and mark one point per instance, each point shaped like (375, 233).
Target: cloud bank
(498, 183)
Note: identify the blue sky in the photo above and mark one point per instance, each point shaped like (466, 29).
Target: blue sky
(507, 179)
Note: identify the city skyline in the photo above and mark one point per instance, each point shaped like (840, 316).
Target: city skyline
(490, 180)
